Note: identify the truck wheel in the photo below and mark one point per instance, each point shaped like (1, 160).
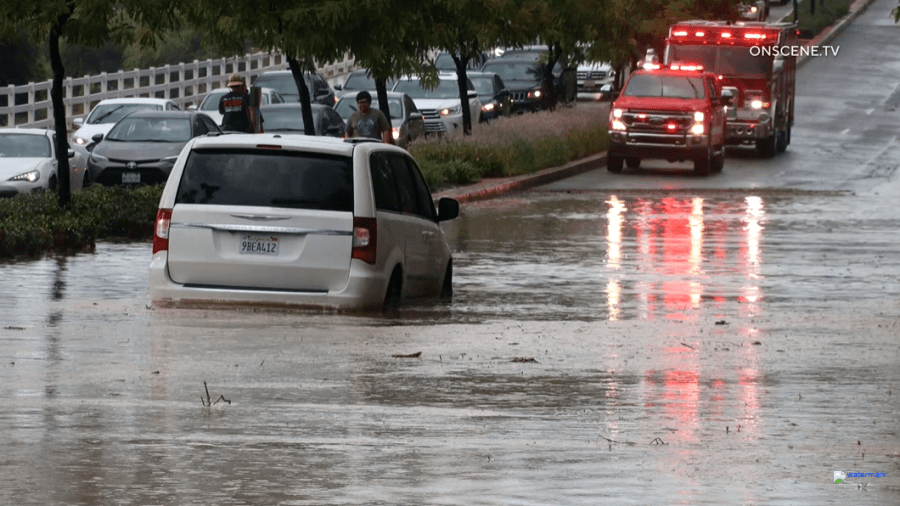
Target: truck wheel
(718, 160)
(780, 141)
(633, 163)
(614, 163)
(767, 146)
(702, 165)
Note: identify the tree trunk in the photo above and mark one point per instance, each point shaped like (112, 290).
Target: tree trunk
(461, 80)
(383, 105)
(309, 126)
(59, 115)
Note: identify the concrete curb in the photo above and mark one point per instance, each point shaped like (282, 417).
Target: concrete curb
(490, 188)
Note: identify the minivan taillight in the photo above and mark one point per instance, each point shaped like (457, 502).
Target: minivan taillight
(161, 233)
(365, 239)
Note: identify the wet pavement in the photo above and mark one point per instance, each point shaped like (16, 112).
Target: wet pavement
(654, 338)
(629, 349)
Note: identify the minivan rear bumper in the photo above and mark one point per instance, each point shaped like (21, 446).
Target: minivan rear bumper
(365, 290)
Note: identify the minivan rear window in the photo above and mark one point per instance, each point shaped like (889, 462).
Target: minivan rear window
(269, 178)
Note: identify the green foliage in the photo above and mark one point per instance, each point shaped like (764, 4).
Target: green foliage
(513, 146)
(34, 224)
(827, 13)
(21, 57)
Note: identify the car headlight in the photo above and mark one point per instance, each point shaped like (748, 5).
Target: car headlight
(756, 104)
(488, 107)
(30, 176)
(618, 125)
(450, 110)
(617, 113)
(395, 133)
(698, 116)
(697, 129)
(81, 141)
(95, 158)
(535, 94)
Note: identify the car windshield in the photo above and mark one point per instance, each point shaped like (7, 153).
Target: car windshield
(282, 83)
(483, 85)
(211, 102)
(111, 113)
(514, 70)
(250, 177)
(347, 106)
(362, 81)
(444, 62)
(723, 60)
(24, 146)
(446, 88)
(284, 120)
(646, 85)
(151, 130)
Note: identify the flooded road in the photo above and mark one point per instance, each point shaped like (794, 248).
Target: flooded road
(621, 348)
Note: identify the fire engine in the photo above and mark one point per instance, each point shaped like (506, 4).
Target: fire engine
(674, 112)
(756, 62)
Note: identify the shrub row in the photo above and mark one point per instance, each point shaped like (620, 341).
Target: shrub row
(33, 224)
(827, 13)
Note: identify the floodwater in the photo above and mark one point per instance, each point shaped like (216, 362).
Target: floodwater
(631, 348)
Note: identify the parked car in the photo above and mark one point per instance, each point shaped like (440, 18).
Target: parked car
(28, 161)
(495, 98)
(288, 119)
(591, 77)
(283, 82)
(443, 62)
(210, 103)
(522, 77)
(441, 106)
(291, 220)
(142, 147)
(357, 81)
(109, 111)
(407, 123)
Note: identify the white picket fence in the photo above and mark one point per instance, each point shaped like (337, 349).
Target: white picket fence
(186, 83)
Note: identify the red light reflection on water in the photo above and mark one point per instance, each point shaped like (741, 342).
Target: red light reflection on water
(674, 258)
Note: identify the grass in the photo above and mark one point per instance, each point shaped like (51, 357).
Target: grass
(33, 225)
(827, 13)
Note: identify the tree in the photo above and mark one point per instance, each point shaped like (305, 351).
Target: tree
(90, 22)
(304, 31)
(21, 58)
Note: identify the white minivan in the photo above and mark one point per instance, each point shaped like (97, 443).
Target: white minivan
(288, 220)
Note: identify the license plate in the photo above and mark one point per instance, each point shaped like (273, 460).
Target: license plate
(259, 245)
(131, 177)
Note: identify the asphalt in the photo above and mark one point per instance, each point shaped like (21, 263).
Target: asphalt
(489, 188)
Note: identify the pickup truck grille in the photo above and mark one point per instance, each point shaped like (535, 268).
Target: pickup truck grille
(671, 122)
(430, 114)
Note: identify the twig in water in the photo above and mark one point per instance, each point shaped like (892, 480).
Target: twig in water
(222, 398)
(658, 441)
(411, 355)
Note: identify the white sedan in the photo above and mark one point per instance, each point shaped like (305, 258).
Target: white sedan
(28, 161)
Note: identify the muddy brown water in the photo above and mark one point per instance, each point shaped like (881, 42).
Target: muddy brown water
(654, 348)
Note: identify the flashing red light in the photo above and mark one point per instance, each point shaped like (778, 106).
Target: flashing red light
(754, 36)
(700, 34)
(671, 126)
(680, 33)
(726, 35)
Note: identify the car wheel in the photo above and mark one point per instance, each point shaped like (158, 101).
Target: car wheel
(767, 147)
(392, 295)
(614, 163)
(633, 163)
(53, 184)
(447, 287)
(780, 141)
(702, 164)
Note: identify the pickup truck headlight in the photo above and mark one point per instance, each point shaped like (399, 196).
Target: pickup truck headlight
(699, 116)
(697, 129)
(449, 110)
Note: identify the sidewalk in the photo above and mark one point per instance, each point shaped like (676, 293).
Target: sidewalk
(489, 188)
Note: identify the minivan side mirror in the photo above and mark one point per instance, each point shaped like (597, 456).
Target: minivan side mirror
(447, 209)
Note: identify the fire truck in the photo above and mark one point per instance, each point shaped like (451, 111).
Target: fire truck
(674, 112)
(757, 62)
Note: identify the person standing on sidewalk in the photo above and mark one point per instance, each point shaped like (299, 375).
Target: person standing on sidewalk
(236, 107)
(368, 122)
